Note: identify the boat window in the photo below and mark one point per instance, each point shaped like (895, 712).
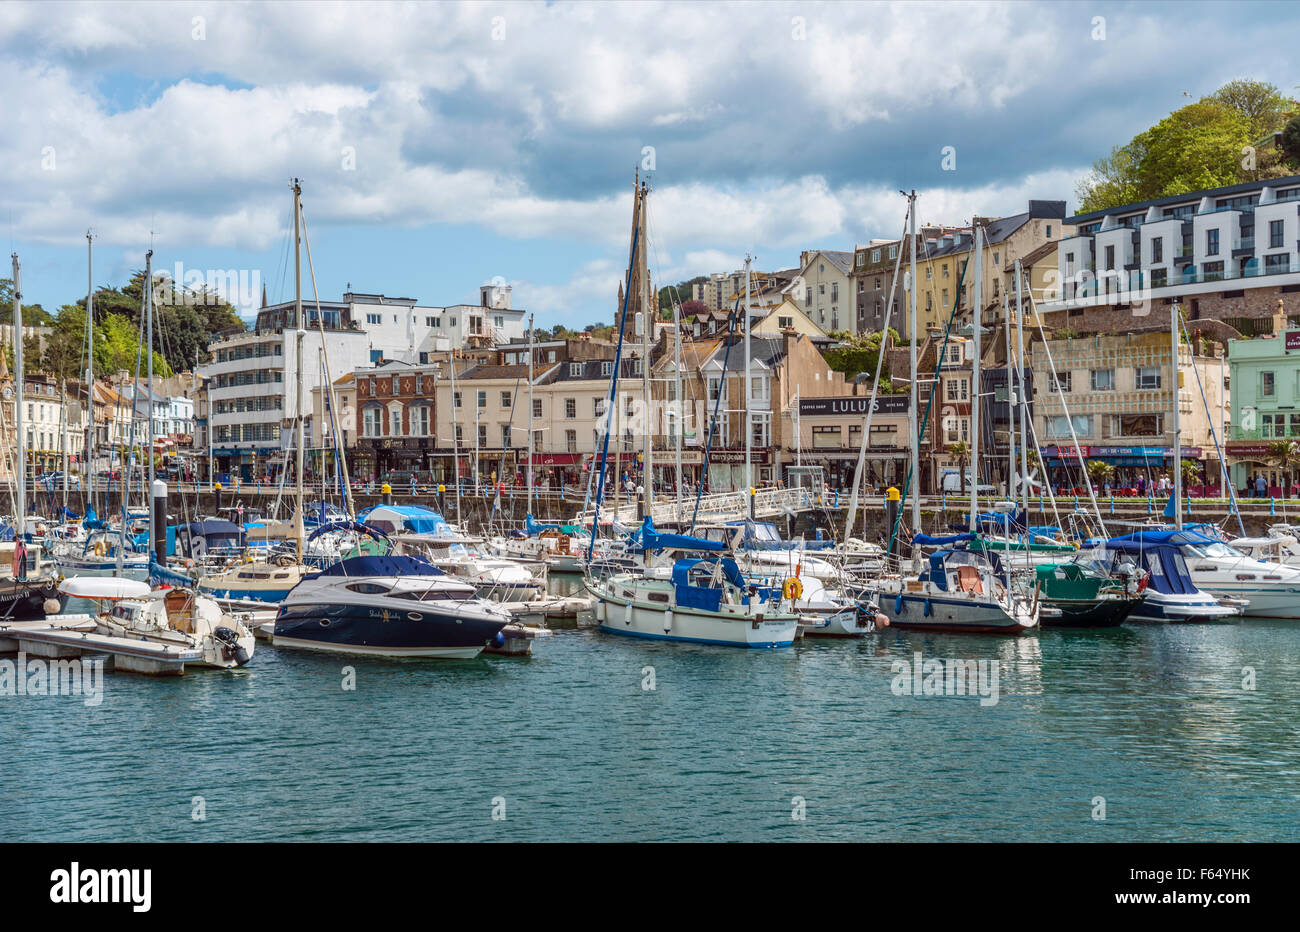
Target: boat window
(281, 575)
(1214, 550)
(427, 595)
(657, 596)
(368, 588)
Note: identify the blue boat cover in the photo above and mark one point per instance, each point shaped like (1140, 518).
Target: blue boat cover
(532, 527)
(1158, 553)
(925, 540)
(650, 539)
(390, 565)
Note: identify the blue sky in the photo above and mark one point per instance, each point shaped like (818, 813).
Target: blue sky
(441, 145)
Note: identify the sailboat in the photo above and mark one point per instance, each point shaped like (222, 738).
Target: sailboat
(960, 588)
(271, 582)
(24, 594)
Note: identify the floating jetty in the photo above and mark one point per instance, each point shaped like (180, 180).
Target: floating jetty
(66, 636)
(564, 612)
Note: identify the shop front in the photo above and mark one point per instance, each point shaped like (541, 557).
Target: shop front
(555, 471)
(1136, 470)
(1248, 460)
(728, 472)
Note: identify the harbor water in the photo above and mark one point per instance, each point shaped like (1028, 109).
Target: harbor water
(1140, 733)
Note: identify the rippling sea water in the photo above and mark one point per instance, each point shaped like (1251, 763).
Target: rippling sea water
(1152, 718)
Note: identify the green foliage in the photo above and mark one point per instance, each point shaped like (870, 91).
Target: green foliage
(1099, 471)
(680, 293)
(859, 353)
(1197, 146)
(33, 314)
(1291, 141)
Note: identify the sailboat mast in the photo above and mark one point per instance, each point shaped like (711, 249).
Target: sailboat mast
(1175, 371)
(299, 335)
(148, 353)
(1011, 403)
(748, 428)
(648, 306)
(455, 438)
(916, 434)
(528, 473)
(1022, 398)
(89, 468)
(975, 376)
(677, 394)
(20, 500)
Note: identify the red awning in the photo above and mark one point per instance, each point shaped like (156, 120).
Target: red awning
(556, 459)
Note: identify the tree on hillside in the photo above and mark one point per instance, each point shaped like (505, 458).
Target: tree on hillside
(1291, 141)
(33, 314)
(185, 320)
(1201, 145)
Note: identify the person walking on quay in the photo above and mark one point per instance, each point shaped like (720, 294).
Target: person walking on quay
(1261, 486)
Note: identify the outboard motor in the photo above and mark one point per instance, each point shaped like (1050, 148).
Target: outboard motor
(230, 646)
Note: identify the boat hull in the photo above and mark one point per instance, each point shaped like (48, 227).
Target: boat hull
(619, 616)
(24, 600)
(1085, 613)
(383, 632)
(937, 613)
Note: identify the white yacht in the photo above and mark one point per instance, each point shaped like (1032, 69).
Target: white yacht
(1269, 590)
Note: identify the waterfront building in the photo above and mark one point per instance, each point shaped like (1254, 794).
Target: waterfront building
(824, 288)
(54, 424)
(1227, 255)
(1117, 393)
(940, 260)
(252, 379)
(827, 432)
(1265, 376)
(328, 423)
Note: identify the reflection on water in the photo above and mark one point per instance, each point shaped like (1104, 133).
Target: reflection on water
(1153, 718)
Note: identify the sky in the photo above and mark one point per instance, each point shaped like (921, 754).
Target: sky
(442, 145)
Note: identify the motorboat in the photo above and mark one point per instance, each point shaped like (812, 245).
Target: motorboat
(393, 605)
(182, 618)
(1075, 595)
(1270, 590)
(1171, 595)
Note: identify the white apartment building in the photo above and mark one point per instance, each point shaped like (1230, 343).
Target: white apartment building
(253, 377)
(1227, 255)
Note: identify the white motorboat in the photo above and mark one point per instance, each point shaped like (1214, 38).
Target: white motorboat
(1171, 595)
(179, 617)
(1270, 590)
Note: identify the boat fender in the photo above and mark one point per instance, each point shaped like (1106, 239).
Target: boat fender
(498, 640)
(898, 605)
(668, 620)
(99, 548)
(51, 606)
(793, 588)
(929, 608)
(627, 613)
